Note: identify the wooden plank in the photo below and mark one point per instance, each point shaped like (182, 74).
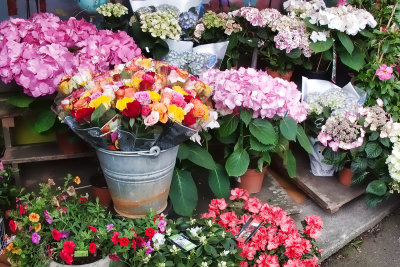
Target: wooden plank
(40, 152)
(326, 191)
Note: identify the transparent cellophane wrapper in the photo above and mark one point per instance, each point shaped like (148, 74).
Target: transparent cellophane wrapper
(171, 133)
(354, 98)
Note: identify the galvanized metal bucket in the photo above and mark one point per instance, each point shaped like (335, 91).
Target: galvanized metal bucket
(139, 180)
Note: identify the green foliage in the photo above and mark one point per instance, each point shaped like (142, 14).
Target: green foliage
(183, 193)
(218, 180)
(20, 100)
(237, 163)
(228, 124)
(196, 154)
(264, 131)
(288, 127)
(8, 190)
(303, 139)
(45, 121)
(322, 46)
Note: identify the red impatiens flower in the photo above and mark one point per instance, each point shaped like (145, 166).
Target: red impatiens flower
(69, 247)
(149, 232)
(93, 229)
(82, 115)
(115, 238)
(133, 109)
(124, 242)
(12, 225)
(56, 234)
(92, 248)
(134, 244)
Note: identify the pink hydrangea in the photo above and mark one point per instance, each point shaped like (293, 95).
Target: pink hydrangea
(384, 72)
(254, 90)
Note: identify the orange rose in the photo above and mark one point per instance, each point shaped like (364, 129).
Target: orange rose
(198, 109)
(162, 111)
(81, 103)
(130, 92)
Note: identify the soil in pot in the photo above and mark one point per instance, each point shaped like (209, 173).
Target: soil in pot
(345, 176)
(252, 180)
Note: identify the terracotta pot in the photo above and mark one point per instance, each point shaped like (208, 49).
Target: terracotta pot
(276, 74)
(345, 176)
(69, 146)
(252, 180)
(103, 194)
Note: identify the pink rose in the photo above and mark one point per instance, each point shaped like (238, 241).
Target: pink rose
(143, 98)
(152, 118)
(145, 111)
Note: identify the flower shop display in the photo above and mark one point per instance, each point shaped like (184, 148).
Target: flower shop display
(260, 117)
(274, 240)
(57, 224)
(325, 100)
(112, 14)
(145, 109)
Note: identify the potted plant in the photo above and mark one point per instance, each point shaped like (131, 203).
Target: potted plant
(266, 234)
(141, 113)
(113, 16)
(157, 241)
(58, 225)
(261, 116)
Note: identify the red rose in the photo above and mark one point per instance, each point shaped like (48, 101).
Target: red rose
(189, 119)
(93, 229)
(123, 242)
(12, 225)
(113, 257)
(188, 98)
(139, 242)
(149, 232)
(66, 257)
(133, 109)
(83, 115)
(56, 234)
(115, 238)
(69, 247)
(147, 81)
(134, 244)
(92, 248)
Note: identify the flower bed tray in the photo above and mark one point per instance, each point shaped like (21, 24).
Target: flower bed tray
(326, 191)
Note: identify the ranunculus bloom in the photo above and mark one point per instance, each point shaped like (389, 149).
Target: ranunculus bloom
(133, 109)
(152, 119)
(56, 234)
(189, 119)
(162, 111)
(384, 72)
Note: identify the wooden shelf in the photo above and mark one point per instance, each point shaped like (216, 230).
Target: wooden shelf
(40, 152)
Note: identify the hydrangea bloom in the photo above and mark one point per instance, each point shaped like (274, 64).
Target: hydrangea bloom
(213, 20)
(161, 24)
(37, 52)
(110, 9)
(303, 8)
(254, 90)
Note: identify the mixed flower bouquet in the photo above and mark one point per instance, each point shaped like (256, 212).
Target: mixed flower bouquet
(57, 224)
(276, 242)
(144, 99)
(260, 116)
(37, 52)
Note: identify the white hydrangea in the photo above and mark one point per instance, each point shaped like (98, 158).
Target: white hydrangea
(344, 18)
(112, 10)
(393, 162)
(318, 36)
(303, 8)
(161, 24)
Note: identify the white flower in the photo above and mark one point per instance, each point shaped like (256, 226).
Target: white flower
(209, 223)
(222, 264)
(195, 231)
(174, 249)
(318, 36)
(158, 238)
(224, 253)
(168, 231)
(161, 264)
(192, 221)
(204, 264)
(203, 240)
(147, 258)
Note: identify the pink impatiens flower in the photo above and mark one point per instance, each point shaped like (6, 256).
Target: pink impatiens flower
(384, 72)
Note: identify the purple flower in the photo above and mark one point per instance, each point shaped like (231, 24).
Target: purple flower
(64, 234)
(161, 225)
(149, 248)
(35, 238)
(109, 227)
(47, 217)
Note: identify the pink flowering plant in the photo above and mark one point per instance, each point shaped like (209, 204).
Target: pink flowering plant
(277, 242)
(37, 52)
(260, 117)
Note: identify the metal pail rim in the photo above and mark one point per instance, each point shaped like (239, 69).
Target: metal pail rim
(153, 151)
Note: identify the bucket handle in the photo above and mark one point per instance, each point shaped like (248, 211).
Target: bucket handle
(154, 151)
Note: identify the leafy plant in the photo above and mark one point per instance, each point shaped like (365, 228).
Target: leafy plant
(8, 190)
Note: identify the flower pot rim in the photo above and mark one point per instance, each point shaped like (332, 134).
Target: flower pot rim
(104, 260)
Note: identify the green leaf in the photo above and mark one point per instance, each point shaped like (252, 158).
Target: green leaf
(303, 140)
(354, 61)
(231, 139)
(359, 178)
(267, 158)
(125, 75)
(319, 47)
(296, 53)
(200, 156)
(290, 164)
(246, 115)
(44, 121)
(373, 150)
(367, 34)
(346, 42)
(288, 127)
(218, 181)
(228, 124)
(260, 164)
(97, 114)
(385, 142)
(183, 193)
(263, 131)
(358, 165)
(373, 136)
(237, 163)
(258, 146)
(20, 100)
(373, 200)
(377, 187)
(183, 152)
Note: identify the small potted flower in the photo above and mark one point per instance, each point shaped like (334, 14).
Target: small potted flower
(113, 14)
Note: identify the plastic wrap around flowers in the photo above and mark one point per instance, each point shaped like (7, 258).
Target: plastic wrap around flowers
(136, 106)
(37, 52)
(342, 132)
(254, 90)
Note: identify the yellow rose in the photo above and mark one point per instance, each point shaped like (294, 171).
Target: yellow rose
(176, 113)
(146, 63)
(154, 96)
(206, 113)
(105, 100)
(65, 88)
(121, 104)
(179, 89)
(135, 83)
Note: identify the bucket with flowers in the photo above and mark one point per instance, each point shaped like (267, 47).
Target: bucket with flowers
(136, 116)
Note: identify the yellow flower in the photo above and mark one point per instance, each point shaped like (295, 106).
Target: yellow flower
(38, 227)
(77, 180)
(64, 87)
(179, 89)
(121, 104)
(86, 94)
(176, 113)
(154, 96)
(33, 217)
(105, 100)
(9, 247)
(146, 63)
(208, 90)
(206, 113)
(16, 251)
(135, 83)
